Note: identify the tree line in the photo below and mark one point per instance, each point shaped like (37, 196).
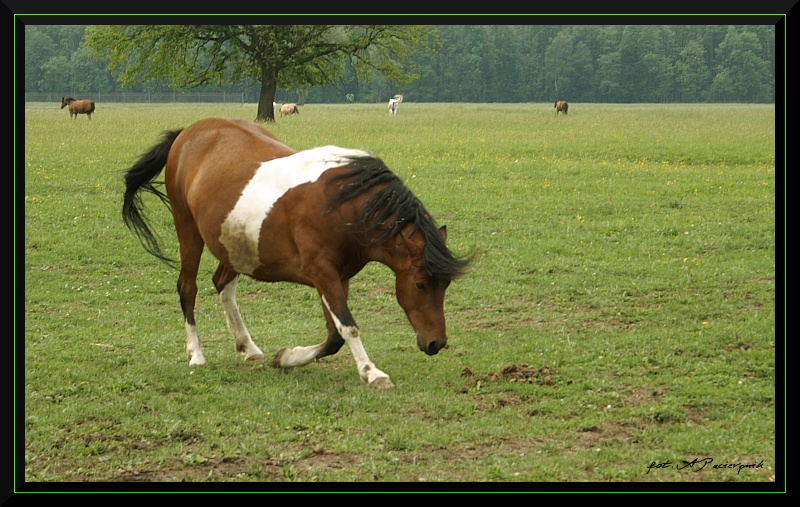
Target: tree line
(487, 63)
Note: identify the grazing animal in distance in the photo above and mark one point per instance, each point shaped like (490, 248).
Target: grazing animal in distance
(394, 103)
(562, 106)
(78, 107)
(289, 109)
(314, 217)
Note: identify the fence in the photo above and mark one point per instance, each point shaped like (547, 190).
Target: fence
(144, 97)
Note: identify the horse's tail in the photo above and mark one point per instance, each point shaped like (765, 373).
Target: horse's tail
(139, 178)
(296, 110)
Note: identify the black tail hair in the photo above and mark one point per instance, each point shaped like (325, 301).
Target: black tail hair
(139, 178)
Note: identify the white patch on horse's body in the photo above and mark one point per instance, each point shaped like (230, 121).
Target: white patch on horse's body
(242, 227)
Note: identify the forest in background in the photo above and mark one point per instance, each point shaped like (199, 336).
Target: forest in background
(496, 63)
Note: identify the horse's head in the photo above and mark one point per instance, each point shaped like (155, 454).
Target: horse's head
(420, 293)
(64, 102)
(400, 233)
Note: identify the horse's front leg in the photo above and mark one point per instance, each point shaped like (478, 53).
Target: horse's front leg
(341, 328)
(347, 327)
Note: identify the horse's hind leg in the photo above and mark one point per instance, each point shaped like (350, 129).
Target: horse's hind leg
(225, 280)
(301, 356)
(191, 246)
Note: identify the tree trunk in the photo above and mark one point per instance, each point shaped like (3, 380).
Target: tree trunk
(302, 93)
(269, 84)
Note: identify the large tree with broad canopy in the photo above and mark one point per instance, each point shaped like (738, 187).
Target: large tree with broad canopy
(186, 56)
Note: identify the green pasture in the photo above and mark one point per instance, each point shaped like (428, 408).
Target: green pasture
(620, 311)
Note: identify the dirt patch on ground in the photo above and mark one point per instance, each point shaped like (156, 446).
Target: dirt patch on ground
(521, 373)
(642, 395)
(309, 465)
(595, 436)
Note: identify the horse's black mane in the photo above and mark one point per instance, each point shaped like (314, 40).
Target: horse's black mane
(390, 209)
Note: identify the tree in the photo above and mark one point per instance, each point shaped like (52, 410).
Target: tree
(86, 75)
(186, 56)
(647, 54)
(568, 67)
(485, 63)
(505, 83)
(56, 70)
(558, 67)
(609, 77)
(743, 75)
(39, 49)
(658, 77)
(692, 74)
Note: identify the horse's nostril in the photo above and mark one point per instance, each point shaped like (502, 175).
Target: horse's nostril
(433, 348)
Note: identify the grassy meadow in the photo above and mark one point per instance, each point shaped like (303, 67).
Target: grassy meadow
(618, 324)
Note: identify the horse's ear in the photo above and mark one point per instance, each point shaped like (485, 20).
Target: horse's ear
(415, 243)
(443, 232)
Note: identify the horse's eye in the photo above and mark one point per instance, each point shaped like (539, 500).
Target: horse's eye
(420, 286)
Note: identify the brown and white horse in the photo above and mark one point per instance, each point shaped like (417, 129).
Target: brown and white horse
(562, 106)
(78, 107)
(313, 217)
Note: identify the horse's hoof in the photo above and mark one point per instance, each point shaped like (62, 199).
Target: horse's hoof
(382, 384)
(276, 361)
(197, 361)
(255, 357)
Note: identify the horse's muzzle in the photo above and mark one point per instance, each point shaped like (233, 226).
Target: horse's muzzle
(433, 347)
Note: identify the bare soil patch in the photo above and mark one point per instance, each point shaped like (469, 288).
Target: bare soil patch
(522, 373)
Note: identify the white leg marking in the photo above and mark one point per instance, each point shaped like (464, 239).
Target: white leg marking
(193, 349)
(366, 369)
(244, 343)
(298, 356)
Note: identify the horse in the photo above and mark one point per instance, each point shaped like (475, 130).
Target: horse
(394, 103)
(313, 217)
(289, 109)
(78, 107)
(561, 105)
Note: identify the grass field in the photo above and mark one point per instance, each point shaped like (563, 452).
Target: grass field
(618, 322)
